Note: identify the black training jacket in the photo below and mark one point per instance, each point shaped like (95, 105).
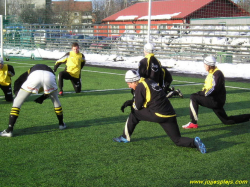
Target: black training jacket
(148, 94)
(150, 67)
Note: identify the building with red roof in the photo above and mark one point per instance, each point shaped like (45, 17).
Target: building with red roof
(173, 12)
(182, 10)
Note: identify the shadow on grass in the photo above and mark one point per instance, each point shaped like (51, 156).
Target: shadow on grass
(70, 125)
(152, 138)
(215, 142)
(3, 101)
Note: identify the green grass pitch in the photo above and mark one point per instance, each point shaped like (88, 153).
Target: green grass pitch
(84, 154)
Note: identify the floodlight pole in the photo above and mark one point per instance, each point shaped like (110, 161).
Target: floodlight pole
(5, 8)
(149, 18)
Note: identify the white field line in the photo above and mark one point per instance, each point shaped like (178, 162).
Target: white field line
(188, 83)
(85, 91)
(103, 72)
(105, 90)
(194, 83)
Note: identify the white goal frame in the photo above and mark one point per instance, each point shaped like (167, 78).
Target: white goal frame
(1, 25)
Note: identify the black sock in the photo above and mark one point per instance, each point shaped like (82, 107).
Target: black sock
(59, 114)
(14, 113)
(9, 129)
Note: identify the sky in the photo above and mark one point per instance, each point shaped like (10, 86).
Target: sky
(230, 70)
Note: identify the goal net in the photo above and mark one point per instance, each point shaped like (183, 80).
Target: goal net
(17, 41)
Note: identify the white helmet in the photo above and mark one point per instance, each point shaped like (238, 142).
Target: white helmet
(149, 48)
(132, 76)
(210, 60)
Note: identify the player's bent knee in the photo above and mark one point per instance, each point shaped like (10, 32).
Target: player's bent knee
(192, 96)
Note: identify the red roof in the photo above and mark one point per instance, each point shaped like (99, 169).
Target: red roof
(180, 8)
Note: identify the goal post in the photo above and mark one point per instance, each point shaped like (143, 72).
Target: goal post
(1, 25)
(17, 40)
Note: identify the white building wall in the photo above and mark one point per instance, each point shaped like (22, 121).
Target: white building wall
(231, 20)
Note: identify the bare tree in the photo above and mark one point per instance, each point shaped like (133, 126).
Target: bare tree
(22, 11)
(105, 8)
(62, 12)
(98, 10)
(38, 15)
(2, 7)
(28, 16)
(13, 8)
(244, 4)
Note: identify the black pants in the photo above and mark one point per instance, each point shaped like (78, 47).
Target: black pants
(76, 82)
(7, 90)
(169, 125)
(209, 102)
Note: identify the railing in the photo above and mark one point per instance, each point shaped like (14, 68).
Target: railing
(183, 41)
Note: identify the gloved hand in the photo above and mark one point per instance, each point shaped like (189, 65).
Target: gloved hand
(41, 98)
(127, 103)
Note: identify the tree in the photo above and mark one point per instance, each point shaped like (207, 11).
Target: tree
(22, 11)
(105, 8)
(98, 10)
(245, 4)
(28, 16)
(13, 8)
(40, 16)
(2, 7)
(62, 13)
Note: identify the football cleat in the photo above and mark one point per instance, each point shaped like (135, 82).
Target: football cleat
(121, 140)
(190, 125)
(172, 88)
(6, 134)
(60, 93)
(179, 93)
(61, 127)
(199, 145)
(170, 94)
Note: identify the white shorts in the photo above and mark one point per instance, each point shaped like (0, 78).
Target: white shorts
(40, 79)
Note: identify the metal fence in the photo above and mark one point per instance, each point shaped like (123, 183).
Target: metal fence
(230, 43)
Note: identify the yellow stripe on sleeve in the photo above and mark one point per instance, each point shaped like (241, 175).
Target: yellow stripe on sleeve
(164, 116)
